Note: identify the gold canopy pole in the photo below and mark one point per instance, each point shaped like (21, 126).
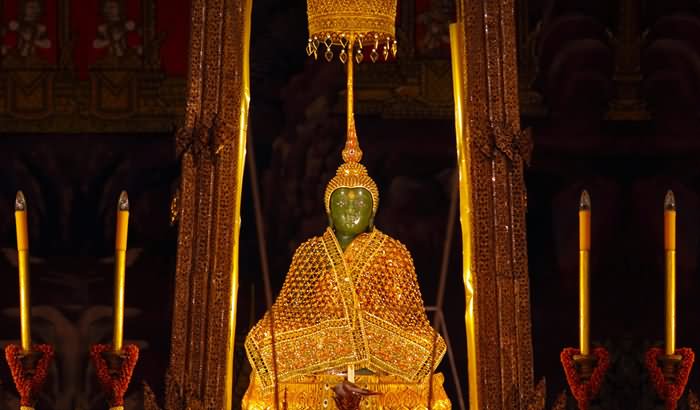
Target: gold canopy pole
(120, 271)
(351, 129)
(670, 248)
(459, 83)
(23, 264)
(351, 79)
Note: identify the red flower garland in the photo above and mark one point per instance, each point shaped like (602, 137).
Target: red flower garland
(28, 387)
(115, 387)
(668, 392)
(585, 392)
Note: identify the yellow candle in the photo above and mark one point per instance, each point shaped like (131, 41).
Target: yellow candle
(670, 248)
(23, 264)
(584, 219)
(120, 270)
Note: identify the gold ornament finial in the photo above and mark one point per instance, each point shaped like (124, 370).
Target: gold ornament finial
(352, 174)
(352, 151)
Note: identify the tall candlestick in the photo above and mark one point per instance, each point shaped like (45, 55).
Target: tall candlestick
(120, 270)
(584, 229)
(670, 248)
(23, 264)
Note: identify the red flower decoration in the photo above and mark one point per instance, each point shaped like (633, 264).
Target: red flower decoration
(28, 387)
(669, 392)
(115, 385)
(585, 392)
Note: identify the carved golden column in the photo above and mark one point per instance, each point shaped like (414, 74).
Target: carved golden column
(211, 146)
(492, 156)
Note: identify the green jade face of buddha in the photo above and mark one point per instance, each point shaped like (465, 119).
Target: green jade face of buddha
(351, 214)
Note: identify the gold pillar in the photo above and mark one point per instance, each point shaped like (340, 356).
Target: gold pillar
(459, 86)
(492, 155)
(211, 146)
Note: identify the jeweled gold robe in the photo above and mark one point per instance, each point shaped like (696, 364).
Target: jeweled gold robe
(362, 307)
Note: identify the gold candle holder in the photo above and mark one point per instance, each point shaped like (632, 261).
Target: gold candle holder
(23, 265)
(120, 270)
(585, 365)
(584, 218)
(670, 250)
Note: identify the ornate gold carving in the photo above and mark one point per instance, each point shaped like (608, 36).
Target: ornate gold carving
(514, 145)
(29, 94)
(560, 403)
(352, 174)
(408, 88)
(211, 146)
(421, 88)
(113, 94)
(127, 83)
(539, 396)
(494, 179)
(65, 107)
(149, 398)
(316, 392)
(693, 402)
(316, 328)
(333, 22)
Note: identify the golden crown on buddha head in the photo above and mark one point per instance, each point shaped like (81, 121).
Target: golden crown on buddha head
(352, 174)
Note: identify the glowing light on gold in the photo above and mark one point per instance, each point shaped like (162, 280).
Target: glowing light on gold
(459, 83)
(584, 229)
(241, 139)
(670, 248)
(23, 265)
(120, 270)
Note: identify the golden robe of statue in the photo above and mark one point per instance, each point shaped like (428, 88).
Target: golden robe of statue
(362, 307)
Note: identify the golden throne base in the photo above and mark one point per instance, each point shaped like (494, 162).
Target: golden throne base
(316, 392)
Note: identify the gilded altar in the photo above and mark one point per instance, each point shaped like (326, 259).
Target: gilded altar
(315, 392)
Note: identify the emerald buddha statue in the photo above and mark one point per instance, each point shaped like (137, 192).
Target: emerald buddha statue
(350, 309)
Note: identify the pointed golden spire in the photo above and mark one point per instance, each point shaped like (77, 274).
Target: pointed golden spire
(352, 151)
